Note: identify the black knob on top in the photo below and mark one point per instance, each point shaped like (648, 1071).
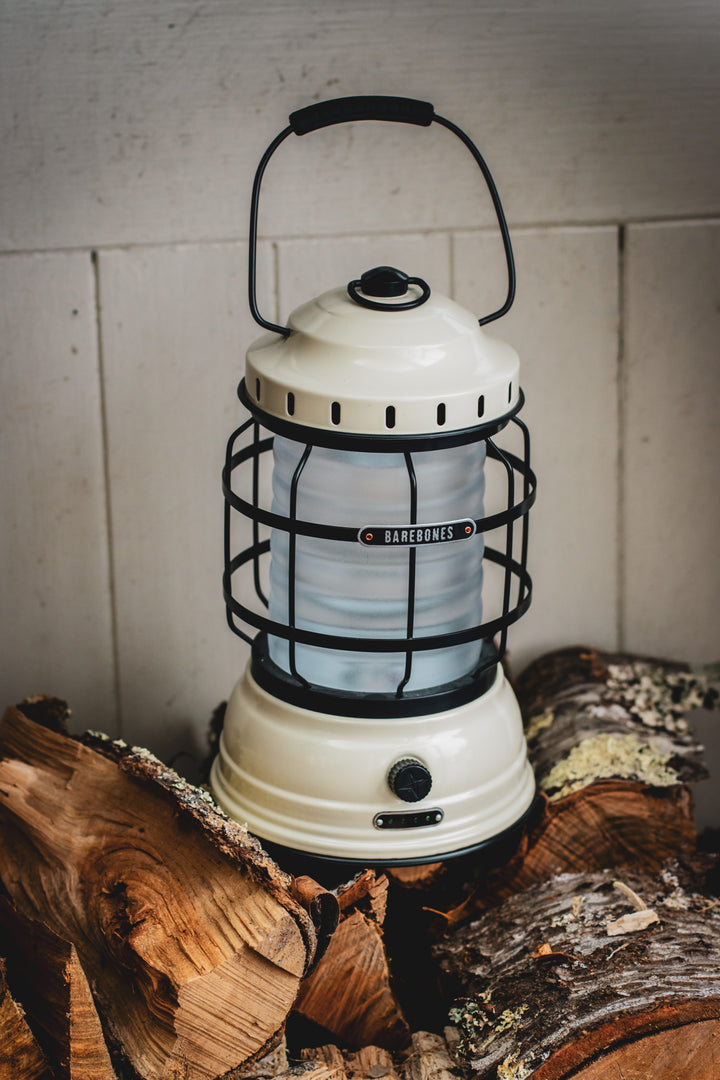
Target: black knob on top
(384, 281)
(410, 780)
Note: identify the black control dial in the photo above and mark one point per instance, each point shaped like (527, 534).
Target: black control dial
(410, 780)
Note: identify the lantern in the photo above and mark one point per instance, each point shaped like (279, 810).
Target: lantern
(374, 723)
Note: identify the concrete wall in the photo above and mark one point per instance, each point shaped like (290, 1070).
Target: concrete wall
(130, 134)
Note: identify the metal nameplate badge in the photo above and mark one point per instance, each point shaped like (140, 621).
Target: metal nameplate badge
(439, 532)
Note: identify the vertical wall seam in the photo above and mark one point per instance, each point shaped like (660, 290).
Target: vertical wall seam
(621, 536)
(276, 281)
(451, 268)
(112, 591)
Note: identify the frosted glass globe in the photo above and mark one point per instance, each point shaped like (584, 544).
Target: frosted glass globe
(349, 589)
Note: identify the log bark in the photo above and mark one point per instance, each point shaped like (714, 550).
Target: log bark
(188, 933)
(20, 1055)
(578, 694)
(350, 994)
(574, 976)
(323, 908)
(45, 973)
(614, 760)
(613, 757)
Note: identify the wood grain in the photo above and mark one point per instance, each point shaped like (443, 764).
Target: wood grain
(349, 993)
(195, 948)
(20, 1055)
(49, 980)
(691, 1052)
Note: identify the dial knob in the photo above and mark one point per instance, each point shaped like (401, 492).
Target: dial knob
(410, 780)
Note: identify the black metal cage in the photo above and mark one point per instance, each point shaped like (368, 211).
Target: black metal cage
(245, 452)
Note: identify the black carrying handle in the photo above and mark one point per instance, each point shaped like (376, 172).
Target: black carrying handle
(345, 110)
(369, 107)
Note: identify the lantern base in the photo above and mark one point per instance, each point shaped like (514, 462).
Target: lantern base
(331, 872)
(354, 788)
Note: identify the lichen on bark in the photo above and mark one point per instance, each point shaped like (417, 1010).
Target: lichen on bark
(602, 756)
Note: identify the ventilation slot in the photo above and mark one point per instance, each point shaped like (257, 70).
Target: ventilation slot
(291, 404)
(335, 412)
(257, 389)
(390, 416)
(441, 414)
(481, 405)
(510, 392)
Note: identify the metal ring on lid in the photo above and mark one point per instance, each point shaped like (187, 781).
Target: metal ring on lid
(364, 299)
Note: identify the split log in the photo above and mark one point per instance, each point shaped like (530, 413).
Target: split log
(349, 994)
(20, 1055)
(188, 933)
(46, 976)
(428, 1058)
(592, 977)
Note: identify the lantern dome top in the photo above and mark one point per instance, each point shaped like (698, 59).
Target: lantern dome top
(411, 364)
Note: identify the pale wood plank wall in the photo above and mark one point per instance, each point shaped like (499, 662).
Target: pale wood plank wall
(132, 130)
(56, 584)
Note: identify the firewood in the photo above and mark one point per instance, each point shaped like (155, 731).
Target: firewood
(349, 994)
(548, 991)
(575, 698)
(368, 1063)
(47, 977)
(188, 933)
(416, 877)
(323, 909)
(274, 1063)
(367, 892)
(428, 1058)
(20, 1055)
(613, 757)
(328, 1057)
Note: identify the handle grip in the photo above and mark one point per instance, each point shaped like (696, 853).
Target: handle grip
(341, 111)
(345, 110)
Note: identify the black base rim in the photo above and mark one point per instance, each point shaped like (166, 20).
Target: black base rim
(296, 861)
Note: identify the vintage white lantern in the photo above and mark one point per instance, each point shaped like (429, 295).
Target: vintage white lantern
(374, 723)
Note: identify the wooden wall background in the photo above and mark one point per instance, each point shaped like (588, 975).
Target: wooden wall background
(129, 133)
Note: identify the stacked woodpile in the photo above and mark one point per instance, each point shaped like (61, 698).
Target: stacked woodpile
(145, 936)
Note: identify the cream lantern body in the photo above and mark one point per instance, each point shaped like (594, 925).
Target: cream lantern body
(380, 421)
